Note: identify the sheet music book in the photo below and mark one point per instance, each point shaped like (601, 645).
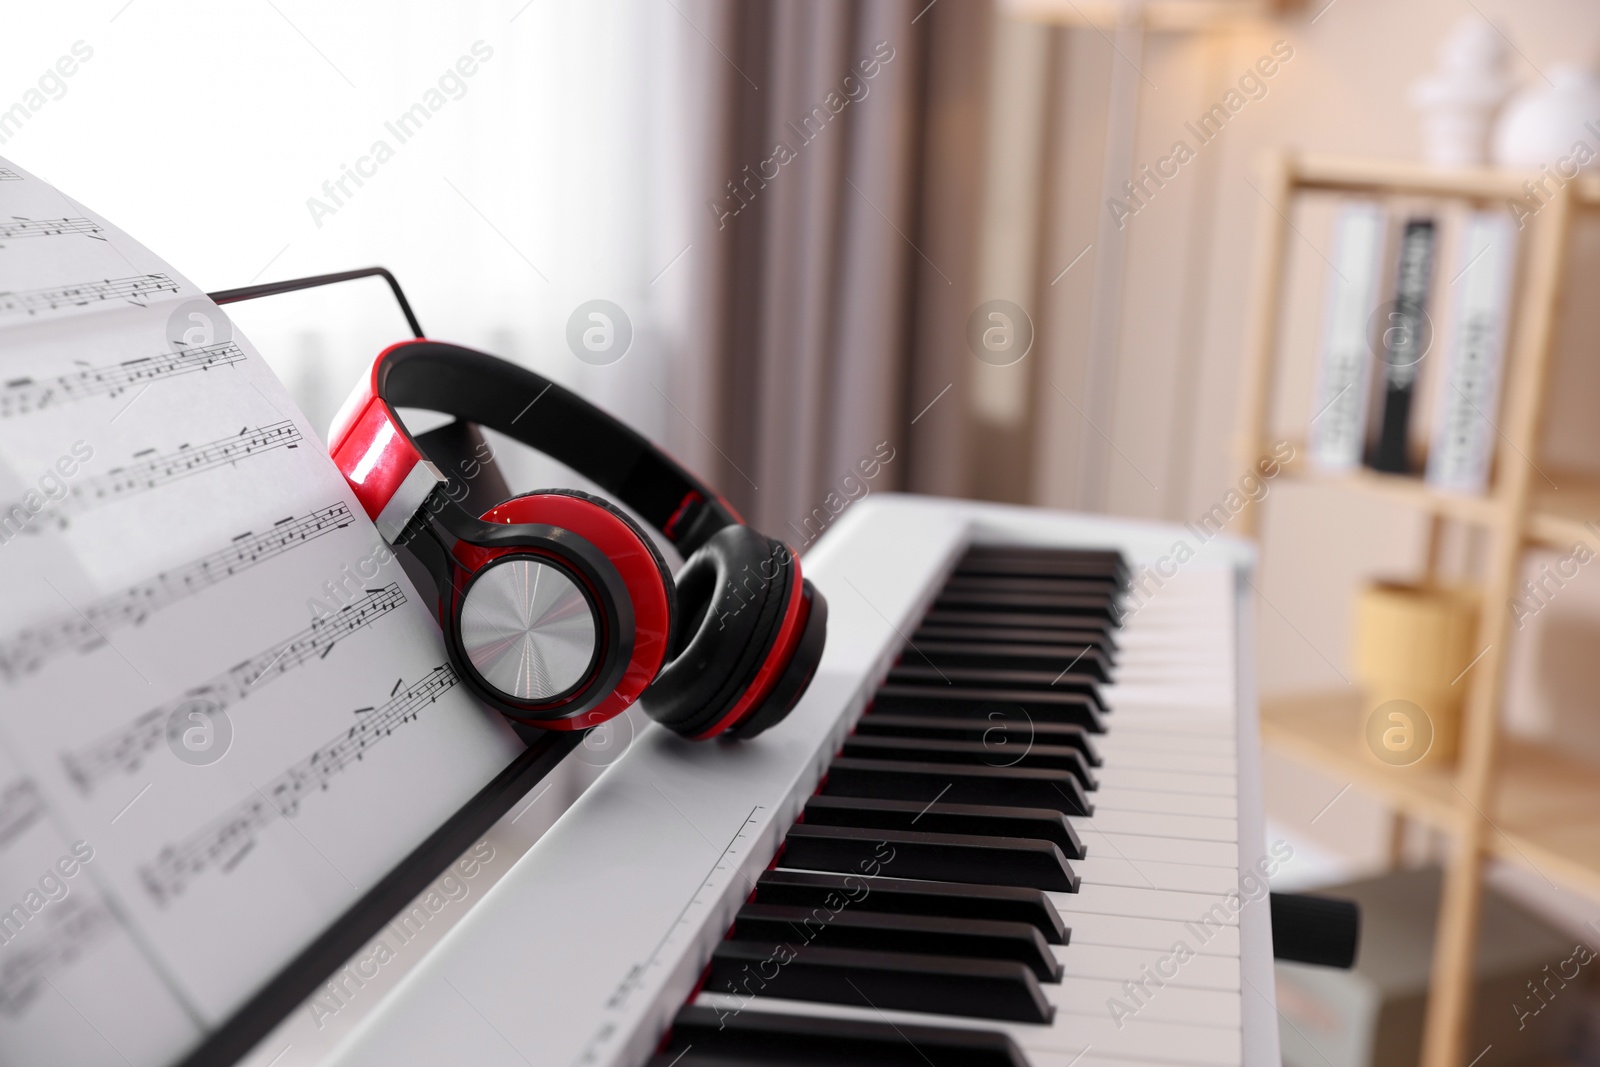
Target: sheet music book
(1464, 433)
(1344, 371)
(222, 718)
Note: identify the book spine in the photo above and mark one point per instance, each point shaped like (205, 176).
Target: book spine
(1407, 336)
(1338, 417)
(1463, 440)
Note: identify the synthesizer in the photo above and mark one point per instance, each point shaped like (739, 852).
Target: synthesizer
(1015, 820)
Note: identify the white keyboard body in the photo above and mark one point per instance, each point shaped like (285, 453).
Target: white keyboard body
(590, 944)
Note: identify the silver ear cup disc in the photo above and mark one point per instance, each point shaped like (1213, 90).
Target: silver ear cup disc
(528, 629)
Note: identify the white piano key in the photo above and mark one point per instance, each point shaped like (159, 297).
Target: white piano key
(1161, 1003)
(1162, 719)
(1108, 869)
(1158, 824)
(1118, 963)
(1166, 666)
(1141, 932)
(1137, 1037)
(1099, 842)
(1189, 761)
(1114, 799)
(1137, 902)
(1136, 742)
(1092, 1058)
(1216, 785)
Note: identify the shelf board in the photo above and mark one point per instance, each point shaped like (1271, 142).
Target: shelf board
(1546, 815)
(1402, 488)
(1557, 513)
(1383, 176)
(1324, 730)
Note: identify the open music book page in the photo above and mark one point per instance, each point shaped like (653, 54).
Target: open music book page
(223, 707)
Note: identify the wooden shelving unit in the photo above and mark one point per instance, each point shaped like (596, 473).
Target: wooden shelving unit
(1525, 803)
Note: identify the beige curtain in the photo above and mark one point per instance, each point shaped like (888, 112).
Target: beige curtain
(842, 236)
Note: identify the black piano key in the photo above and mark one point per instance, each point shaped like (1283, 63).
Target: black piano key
(954, 783)
(1039, 573)
(706, 1037)
(905, 896)
(1098, 640)
(1052, 659)
(977, 939)
(946, 985)
(1011, 750)
(981, 554)
(1041, 622)
(1066, 605)
(1012, 728)
(1061, 585)
(964, 703)
(1026, 862)
(913, 669)
(977, 819)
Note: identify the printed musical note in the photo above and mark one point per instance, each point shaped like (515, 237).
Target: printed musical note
(222, 843)
(67, 928)
(20, 227)
(134, 290)
(122, 751)
(84, 630)
(9, 175)
(20, 807)
(121, 482)
(23, 396)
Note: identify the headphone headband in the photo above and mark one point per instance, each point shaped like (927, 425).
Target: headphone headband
(392, 478)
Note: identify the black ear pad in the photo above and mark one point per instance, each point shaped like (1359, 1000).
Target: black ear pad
(730, 614)
(797, 673)
(649, 542)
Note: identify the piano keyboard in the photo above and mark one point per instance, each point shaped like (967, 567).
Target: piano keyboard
(1007, 826)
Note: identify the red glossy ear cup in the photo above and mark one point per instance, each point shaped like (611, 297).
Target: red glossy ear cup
(533, 628)
(744, 612)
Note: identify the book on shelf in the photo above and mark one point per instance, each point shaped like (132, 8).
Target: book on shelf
(1405, 335)
(1462, 449)
(1344, 364)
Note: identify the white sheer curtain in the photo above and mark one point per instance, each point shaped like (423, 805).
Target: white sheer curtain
(562, 169)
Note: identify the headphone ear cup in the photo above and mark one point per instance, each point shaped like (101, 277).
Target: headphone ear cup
(649, 543)
(731, 611)
(637, 603)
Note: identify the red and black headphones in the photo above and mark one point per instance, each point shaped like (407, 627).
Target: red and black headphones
(556, 607)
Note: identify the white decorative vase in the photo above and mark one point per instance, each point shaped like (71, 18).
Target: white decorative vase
(1458, 101)
(1545, 123)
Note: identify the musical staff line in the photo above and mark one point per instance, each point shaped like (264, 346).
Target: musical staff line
(19, 227)
(224, 842)
(23, 396)
(83, 631)
(133, 290)
(25, 968)
(20, 807)
(121, 482)
(123, 750)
